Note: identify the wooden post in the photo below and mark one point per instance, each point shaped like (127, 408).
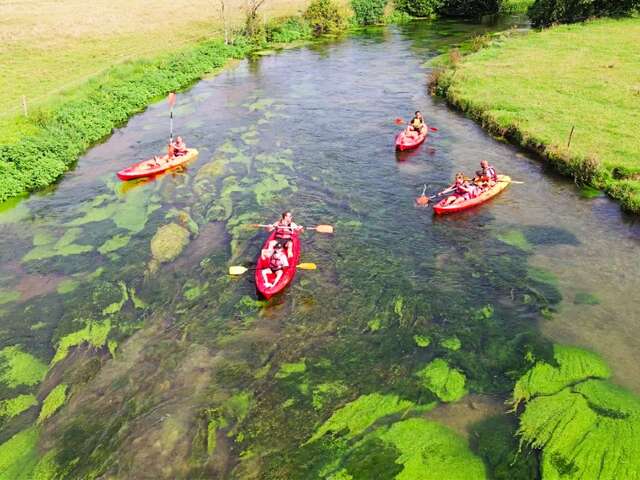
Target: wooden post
(570, 135)
(24, 105)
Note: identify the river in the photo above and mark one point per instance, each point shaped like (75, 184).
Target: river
(183, 372)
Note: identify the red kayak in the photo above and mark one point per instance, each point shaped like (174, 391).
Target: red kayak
(287, 274)
(503, 182)
(403, 142)
(148, 168)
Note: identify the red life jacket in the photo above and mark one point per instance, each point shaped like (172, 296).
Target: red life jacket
(283, 232)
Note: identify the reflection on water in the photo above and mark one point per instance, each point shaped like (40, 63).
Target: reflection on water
(183, 372)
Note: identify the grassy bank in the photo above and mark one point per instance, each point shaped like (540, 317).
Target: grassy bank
(36, 150)
(534, 89)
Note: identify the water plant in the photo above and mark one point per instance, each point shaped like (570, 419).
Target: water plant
(53, 402)
(446, 382)
(18, 367)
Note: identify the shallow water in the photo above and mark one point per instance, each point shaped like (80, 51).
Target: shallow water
(309, 130)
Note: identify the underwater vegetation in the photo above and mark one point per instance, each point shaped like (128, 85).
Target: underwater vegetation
(585, 426)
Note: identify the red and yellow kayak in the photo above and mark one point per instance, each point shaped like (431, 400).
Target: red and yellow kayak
(403, 142)
(287, 274)
(148, 168)
(502, 183)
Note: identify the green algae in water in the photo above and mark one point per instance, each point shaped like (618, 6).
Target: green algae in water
(8, 296)
(451, 343)
(114, 243)
(53, 402)
(515, 238)
(573, 364)
(585, 298)
(67, 286)
(20, 368)
(63, 247)
(589, 430)
(422, 341)
(267, 189)
(94, 333)
(357, 416)
(19, 456)
(446, 382)
(325, 392)
(542, 276)
(168, 242)
(193, 290)
(137, 301)
(288, 369)
(15, 406)
(115, 307)
(429, 450)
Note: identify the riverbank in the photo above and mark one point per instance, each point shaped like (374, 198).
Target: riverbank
(569, 93)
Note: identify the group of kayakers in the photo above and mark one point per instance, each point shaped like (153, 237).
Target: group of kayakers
(279, 250)
(464, 188)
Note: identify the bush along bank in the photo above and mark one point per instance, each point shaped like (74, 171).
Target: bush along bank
(65, 131)
(575, 111)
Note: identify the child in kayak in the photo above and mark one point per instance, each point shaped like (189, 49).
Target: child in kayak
(285, 228)
(277, 263)
(486, 176)
(462, 190)
(416, 125)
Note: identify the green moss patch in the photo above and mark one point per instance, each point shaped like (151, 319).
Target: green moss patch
(8, 296)
(15, 406)
(573, 365)
(585, 298)
(114, 243)
(355, 417)
(422, 341)
(18, 455)
(515, 238)
(168, 242)
(20, 368)
(94, 333)
(446, 382)
(288, 369)
(451, 343)
(67, 286)
(53, 402)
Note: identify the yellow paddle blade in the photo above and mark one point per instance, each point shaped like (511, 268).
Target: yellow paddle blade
(307, 266)
(237, 270)
(324, 229)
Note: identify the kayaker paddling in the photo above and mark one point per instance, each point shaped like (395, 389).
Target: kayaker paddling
(285, 228)
(461, 190)
(277, 263)
(486, 176)
(179, 147)
(416, 126)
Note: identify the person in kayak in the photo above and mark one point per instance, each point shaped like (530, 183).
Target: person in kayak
(277, 263)
(179, 147)
(285, 228)
(461, 190)
(416, 125)
(486, 176)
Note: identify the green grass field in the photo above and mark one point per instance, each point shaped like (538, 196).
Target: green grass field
(535, 88)
(50, 49)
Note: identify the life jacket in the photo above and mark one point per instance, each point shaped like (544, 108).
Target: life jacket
(417, 124)
(491, 174)
(276, 263)
(283, 232)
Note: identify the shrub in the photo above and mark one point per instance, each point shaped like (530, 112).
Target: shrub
(470, 8)
(419, 8)
(324, 17)
(547, 12)
(287, 29)
(368, 12)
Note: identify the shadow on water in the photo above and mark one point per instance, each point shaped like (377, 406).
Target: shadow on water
(184, 373)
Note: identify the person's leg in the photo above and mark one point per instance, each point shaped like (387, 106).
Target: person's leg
(290, 249)
(278, 276)
(265, 272)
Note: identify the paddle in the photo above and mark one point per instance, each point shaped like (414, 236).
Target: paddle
(171, 99)
(317, 228)
(240, 270)
(400, 121)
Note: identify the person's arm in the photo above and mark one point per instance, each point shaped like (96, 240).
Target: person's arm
(285, 262)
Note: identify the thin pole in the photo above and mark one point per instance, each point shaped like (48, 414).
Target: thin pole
(171, 126)
(570, 135)
(24, 105)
